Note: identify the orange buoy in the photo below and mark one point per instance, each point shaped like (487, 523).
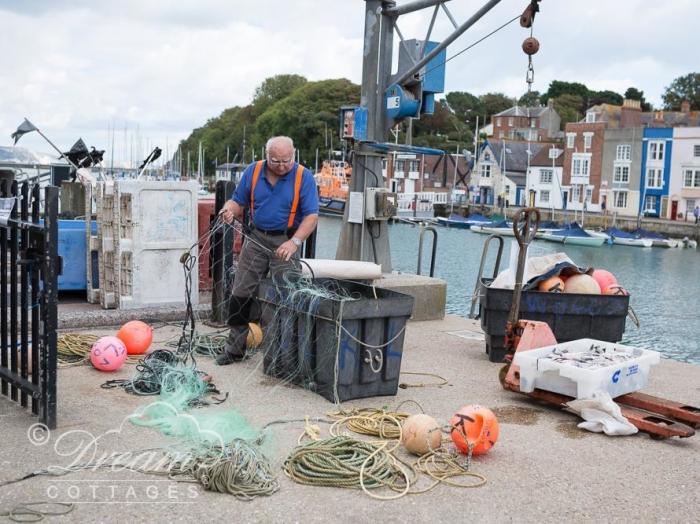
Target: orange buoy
(615, 289)
(584, 284)
(137, 337)
(551, 285)
(255, 335)
(604, 278)
(474, 426)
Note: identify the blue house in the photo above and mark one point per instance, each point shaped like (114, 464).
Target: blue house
(657, 146)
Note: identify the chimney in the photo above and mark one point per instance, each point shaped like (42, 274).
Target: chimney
(685, 106)
(550, 103)
(631, 113)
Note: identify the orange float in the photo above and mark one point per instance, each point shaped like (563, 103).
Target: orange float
(475, 426)
(551, 285)
(137, 337)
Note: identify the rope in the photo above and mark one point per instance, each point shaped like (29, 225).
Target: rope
(74, 349)
(368, 421)
(441, 381)
(344, 462)
(36, 511)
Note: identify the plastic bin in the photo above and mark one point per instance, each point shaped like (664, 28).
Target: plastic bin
(570, 315)
(72, 249)
(566, 378)
(308, 351)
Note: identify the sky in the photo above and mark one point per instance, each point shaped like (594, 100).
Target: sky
(153, 70)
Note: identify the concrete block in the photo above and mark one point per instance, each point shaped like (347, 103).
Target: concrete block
(430, 294)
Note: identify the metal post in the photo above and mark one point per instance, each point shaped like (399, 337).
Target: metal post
(50, 354)
(221, 256)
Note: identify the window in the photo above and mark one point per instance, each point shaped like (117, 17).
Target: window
(498, 121)
(620, 198)
(696, 150)
(570, 137)
(487, 157)
(576, 194)
(655, 178)
(656, 150)
(589, 194)
(590, 117)
(533, 124)
(384, 164)
(399, 166)
(413, 165)
(507, 189)
(510, 122)
(622, 173)
(544, 197)
(587, 139)
(546, 176)
(689, 205)
(691, 178)
(580, 165)
(624, 152)
(650, 203)
(486, 170)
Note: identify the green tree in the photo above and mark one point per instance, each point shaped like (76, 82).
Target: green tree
(685, 87)
(464, 105)
(531, 99)
(633, 93)
(569, 107)
(307, 113)
(275, 88)
(559, 87)
(604, 97)
(495, 103)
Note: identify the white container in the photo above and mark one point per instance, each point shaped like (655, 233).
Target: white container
(156, 222)
(539, 371)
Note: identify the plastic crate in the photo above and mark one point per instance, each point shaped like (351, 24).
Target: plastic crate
(569, 315)
(566, 378)
(310, 354)
(106, 214)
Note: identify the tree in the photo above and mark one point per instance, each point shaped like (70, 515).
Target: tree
(464, 105)
(275, 88)
(633, 93)
(604, 97)
(683, 88)
(559, 87)
(495, 103)
(531, 99)
(569, 107)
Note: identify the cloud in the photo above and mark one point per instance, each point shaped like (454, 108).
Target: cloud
(76, 67)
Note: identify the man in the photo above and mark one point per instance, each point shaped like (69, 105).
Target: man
(283, 207)
(696, 213)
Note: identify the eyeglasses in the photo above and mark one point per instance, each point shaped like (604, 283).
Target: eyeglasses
(277, 162)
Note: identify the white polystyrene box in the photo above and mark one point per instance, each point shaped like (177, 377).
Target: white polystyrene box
(617, 379)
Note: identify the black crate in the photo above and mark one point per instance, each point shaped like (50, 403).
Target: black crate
(570, 315)
(316, 348)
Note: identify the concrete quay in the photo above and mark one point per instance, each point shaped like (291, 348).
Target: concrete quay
(542, 469)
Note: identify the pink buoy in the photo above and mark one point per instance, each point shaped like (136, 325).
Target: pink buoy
(108, 354)
(604, 278)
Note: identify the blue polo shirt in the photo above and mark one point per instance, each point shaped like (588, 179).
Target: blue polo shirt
(274, 203)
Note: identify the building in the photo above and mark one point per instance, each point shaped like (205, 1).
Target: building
(657, 151)
(621, 170)
(534, 124)
(544, 178)
(500, 172)
(582, 167)
(684, 187)
(412, 173)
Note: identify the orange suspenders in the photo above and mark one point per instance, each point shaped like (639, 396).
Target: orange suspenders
(297, 191)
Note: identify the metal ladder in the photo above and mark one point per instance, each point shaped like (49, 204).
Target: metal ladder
(476, 295)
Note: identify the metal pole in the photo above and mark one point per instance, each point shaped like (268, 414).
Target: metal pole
(456, 34)
(411, 6)
(54, 146)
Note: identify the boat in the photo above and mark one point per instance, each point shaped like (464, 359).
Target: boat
(657, 239)
(333, 186)
(459, 222)
(576, 236)
(501, 227)
(623, 238)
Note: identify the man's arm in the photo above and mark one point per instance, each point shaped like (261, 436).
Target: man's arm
(307, 226)
(230, 210)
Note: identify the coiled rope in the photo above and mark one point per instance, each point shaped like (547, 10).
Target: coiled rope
(36, 511)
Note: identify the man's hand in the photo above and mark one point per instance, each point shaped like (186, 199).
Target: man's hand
(286, 250)
(227, 212)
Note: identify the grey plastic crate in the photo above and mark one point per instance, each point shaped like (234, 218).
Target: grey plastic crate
(307, 345)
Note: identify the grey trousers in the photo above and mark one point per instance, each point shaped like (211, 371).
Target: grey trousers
(254, 262)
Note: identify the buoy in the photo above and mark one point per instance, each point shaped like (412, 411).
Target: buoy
(420, 434)
(604, 278)
(584, 284)
(255, 335)
(615, 289)
(137, 337)
(108, 354)
(475, 426)
(551, 285)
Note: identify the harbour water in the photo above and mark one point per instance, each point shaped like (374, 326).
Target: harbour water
(664, 284)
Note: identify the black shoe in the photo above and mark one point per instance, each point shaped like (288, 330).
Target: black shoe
(224, 359)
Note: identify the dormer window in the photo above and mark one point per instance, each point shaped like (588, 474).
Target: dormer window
(590, 117)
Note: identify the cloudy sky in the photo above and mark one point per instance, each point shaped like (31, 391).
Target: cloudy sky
(161, 68)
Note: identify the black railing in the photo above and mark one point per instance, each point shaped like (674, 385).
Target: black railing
(28, 306)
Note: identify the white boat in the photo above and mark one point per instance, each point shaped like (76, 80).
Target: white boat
(623, 238)
(575, 235)
(502, 228)
(657, 240)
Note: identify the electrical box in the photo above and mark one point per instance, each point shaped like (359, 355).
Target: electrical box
(380, 203)
(353, 123)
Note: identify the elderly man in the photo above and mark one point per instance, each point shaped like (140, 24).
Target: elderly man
(283, 208)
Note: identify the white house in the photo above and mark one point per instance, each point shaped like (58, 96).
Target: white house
(544, 177)
(684, 184)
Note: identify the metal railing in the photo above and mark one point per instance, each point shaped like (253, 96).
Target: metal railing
(29, 268)
(423, 229)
